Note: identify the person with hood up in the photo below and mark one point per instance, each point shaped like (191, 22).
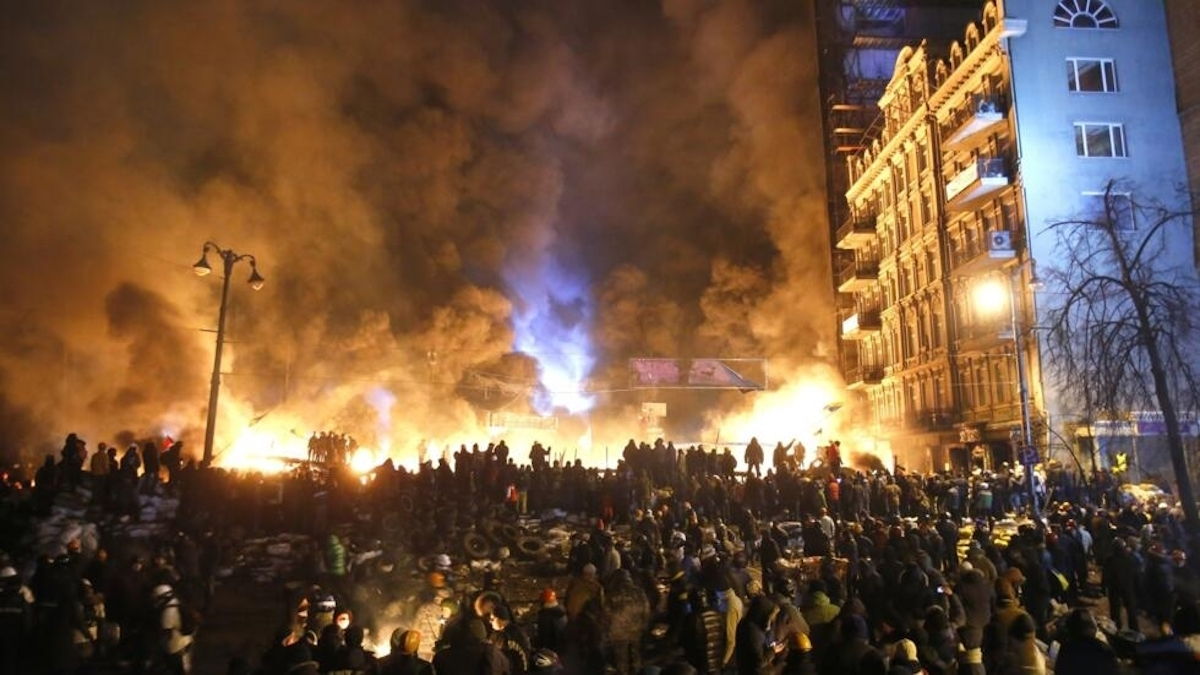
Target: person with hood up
(818, 610)
(471, 654)
(1081, 650)
(628, 613)
(756, 651)
(1022, 655)
(853, 654)
(288, 654)
(353, 658)
(583, 589)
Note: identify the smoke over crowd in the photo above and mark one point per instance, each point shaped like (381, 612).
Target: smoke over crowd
(458, 206)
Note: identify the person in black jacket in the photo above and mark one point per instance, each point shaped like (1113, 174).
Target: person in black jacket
(756, 652)
(470, 653)
(403, 659)
(704, 635)
(551, 623)
(1081, 651)
(1120, 580)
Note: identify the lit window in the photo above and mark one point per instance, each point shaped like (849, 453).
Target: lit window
(1118, 208)
(1091, 75)
(1084, 14)
(1099, 140)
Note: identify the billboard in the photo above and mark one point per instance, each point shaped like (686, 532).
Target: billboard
(511, 420)
(707, 373)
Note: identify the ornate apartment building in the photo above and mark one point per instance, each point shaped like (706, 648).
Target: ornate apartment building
(1018, 124)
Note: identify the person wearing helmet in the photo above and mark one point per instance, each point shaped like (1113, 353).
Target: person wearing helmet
(799, 659)
(551, 623)
(175, 645)
(404, 658)
(511, 639)
(16, 621)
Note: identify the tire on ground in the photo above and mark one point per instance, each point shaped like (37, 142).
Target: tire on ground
(509, 533)
(476, 546)
(530, 547)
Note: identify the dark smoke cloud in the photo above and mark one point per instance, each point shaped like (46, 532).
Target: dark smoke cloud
(401, 170)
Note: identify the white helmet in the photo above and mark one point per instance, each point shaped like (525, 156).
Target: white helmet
(7, 572)
(161, 591)
(442, 560)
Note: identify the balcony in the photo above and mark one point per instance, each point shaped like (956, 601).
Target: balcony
(979, 338)
(981, 179)
(857, 275)
(863, 377)
(983, 113)
(980, 257)
(929, 420)
(859, 325)
(856, 232)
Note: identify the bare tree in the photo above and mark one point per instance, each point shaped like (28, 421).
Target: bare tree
(1121, 319)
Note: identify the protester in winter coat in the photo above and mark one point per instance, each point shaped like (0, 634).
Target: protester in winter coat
(175, 644)
(511, 640)
(853, 654)
(799, 660)
(471, 654)
(628, 614)
(703, 639)
(756, 652)
(1120, 581)
(551, 623)
(818, 610)
(1081, 650)
(403, 659)
(583, 589)
(1022, 656)
(16, 622)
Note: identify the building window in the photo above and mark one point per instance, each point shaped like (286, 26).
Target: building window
(1091, 75)
(1099, 139)
(1084, 14)
(1119, 208)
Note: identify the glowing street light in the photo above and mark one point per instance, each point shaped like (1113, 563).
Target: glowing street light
(991, 295)
(228, 258)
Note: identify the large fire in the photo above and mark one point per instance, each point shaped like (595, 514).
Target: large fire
(809, 412)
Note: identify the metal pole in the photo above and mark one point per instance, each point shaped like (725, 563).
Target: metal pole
(214, 390)
(1023, 381)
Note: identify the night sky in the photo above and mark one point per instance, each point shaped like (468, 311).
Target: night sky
(428, 187)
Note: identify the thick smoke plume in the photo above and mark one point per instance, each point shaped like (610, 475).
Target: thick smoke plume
(428, 187)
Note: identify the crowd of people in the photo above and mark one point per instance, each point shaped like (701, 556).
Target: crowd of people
(677, 563)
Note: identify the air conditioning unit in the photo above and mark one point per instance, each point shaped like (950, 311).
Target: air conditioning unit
(1000, 240)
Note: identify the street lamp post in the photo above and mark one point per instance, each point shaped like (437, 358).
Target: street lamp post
(993, 294)
(228, 259)
(1023, 384)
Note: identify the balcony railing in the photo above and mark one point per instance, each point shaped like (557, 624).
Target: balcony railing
(984, 255)
(857, 275)
(855, 232)
(982, 178)
(864, 376)
(983, 113)
(860, 324)
(985, 336)
(930, 420)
